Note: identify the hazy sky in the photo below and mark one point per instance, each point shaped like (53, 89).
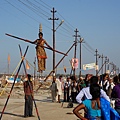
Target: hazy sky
(98, 22)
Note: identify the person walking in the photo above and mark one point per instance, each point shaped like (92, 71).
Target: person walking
(54, 90)
(59, 87)
(28, 90)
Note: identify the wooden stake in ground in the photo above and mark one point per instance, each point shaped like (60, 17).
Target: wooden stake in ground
(29, 85)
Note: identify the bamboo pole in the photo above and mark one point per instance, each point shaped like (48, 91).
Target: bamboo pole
(29, 85)
(13, 84)
(34, 43)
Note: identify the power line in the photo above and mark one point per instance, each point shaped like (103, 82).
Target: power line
(37, 8)
(21, 11)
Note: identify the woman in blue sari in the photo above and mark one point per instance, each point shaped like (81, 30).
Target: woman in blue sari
(93, 105)
(97, 108)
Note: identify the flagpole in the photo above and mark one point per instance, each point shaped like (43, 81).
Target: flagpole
(8, 68)
(8, 63)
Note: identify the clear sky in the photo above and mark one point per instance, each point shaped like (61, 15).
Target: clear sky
(98, 22)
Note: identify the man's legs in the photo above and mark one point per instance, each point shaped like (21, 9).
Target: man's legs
(59, 98)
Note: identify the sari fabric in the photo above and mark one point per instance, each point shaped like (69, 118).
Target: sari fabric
(107, 112)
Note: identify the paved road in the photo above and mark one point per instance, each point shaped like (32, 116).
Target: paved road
(47, 110)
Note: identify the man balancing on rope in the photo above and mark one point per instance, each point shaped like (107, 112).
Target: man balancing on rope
(40, 52)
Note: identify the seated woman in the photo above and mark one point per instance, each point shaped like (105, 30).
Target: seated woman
(92, 105)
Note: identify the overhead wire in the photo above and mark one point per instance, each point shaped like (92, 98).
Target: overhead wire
(43, 5)
(36, 12)
(20, 10)
(65, 29)
(19, 18)
(36, 8)
(89, 47)
(39, 11)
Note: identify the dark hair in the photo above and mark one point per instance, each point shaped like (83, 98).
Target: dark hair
(119, 76)
(86, 76)
(73, 78)
(104, 75)
(95, 91)
(29, 76)
(60, 76)
(40, 33)
(116, 79)
(94, 80)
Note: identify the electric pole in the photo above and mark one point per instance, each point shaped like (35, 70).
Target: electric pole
(76, 35)
(108, 66)
(53, 19)
(96, 62)
(102, 64)
(81, 41)
(105, 63)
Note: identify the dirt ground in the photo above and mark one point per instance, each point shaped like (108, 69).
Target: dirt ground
(47, 110)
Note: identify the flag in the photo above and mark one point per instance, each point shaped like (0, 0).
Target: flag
(8, 58)
(27, 65)
(74, 62)
(64, 69)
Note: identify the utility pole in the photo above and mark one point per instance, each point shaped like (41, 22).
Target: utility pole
(112, 67)
(105, 63)
(81, 41)
(108, 66)
(102, 64)
(115, 69)
(76, 31)
(53, 19)
(96, 62)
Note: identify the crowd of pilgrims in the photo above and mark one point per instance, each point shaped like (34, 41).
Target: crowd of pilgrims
(77, 90)
(72, 86)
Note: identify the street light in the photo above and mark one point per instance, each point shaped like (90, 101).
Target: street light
(59, 25)
(102, 63)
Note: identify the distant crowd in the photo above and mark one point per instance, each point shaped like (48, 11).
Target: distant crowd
(78, 91)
